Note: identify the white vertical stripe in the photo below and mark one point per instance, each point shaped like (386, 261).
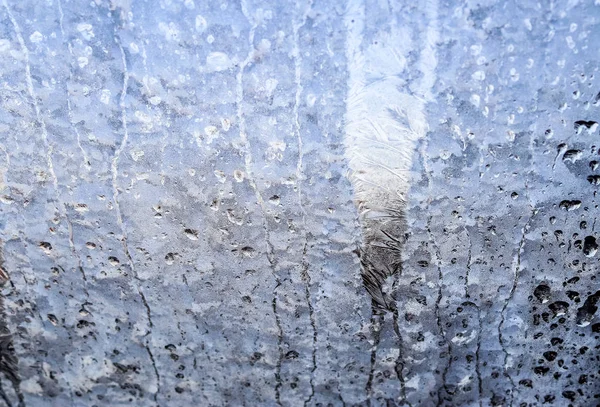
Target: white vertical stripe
(383, 121)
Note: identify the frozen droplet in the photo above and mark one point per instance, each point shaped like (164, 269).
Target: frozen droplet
(53, 320)
(36, 37)
(134, 48)
(191, 234)
(225, 124)
(590, 246)
(248, 251)
(155, 100)
(170, 258)
(46, 247)
(82, 62)
(220, 176)
(570, 42)
(201, 24)
(86, 30)
(81, 208)
(559, 308)
(218, 61)
(136, 154)
(238, 175)
(542, 293)
(105, 96)
(594, 179)
(572, 155)
(590, 125)
(570, 205)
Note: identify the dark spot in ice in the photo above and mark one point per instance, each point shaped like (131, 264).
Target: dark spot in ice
(572, 280)
(559, 308)
(570, 205)
(526, 383)
(590, 246)
(292, 355)
(569, 394)
(584, 123)
(191, 234)
(52, 318)
(256, 356)
(572, 155)
(170, 258)
(585, 314)
(83, 324)
(573, 296)
(45, 246)
(248, 251)
(594, 179)
(542, 293)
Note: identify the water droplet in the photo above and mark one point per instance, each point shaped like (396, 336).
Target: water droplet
(591, 126)
(594, 179)
(590, 246)
(559, 308)
(542, 293)
(248, 251)
(46, 247)
(191, 234)
(170, 258)
(570, 205)
(572, 155)
(53, 320)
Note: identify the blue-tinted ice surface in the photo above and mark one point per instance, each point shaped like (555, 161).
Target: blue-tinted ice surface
(184, 186)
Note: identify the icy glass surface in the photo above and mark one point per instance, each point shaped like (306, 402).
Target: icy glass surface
(299, 203)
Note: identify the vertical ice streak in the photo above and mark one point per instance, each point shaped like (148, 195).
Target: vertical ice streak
(385, 117)
(248, 163)
(306, 278)
(115, 174)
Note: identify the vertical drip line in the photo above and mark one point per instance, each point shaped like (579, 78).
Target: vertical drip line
(248, 163)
